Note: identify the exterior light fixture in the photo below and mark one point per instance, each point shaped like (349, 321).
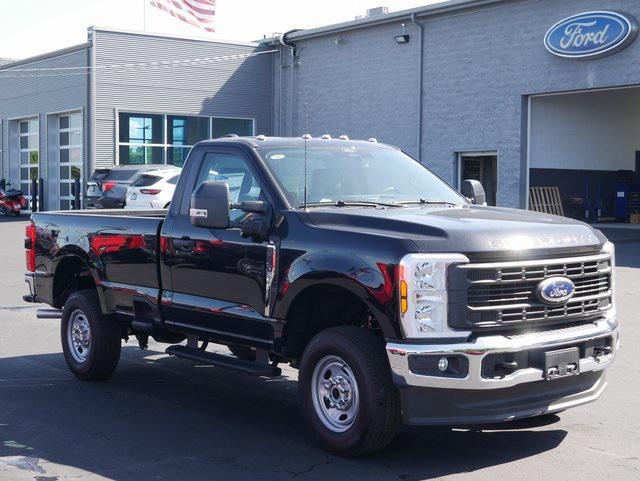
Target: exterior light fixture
(404, 38)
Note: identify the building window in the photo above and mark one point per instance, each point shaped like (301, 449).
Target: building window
(167, 139)
(70, 151)
(225, 126)
(29, 143)
(182, 134)
(141, 139)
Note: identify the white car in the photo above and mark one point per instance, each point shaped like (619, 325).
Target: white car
(153, 189)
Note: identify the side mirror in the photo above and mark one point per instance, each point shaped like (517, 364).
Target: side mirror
(209, 205)
(473, 190)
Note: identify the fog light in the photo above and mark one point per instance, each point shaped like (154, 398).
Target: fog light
(443, 364)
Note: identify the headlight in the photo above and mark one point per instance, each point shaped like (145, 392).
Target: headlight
(423, 294)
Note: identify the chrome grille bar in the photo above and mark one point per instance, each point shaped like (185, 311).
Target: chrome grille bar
(504, 293)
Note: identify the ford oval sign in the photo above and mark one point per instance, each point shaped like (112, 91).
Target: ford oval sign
(591, 34)
(555, 290)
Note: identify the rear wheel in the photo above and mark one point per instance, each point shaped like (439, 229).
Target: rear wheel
(349, 400)
(90, 341)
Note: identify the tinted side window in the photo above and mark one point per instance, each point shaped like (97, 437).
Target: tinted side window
(233, 169)
(146, 180)
(123, 174)
(173, 180)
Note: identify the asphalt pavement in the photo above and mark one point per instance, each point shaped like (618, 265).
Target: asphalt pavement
(162, 418)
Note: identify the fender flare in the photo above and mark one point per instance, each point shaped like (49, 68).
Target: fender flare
(76, 252)
(372, 284)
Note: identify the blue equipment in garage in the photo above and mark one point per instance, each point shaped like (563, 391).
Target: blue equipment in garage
(627, 194)
(627, 200)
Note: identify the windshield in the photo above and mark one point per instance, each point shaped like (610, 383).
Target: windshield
(355, 173)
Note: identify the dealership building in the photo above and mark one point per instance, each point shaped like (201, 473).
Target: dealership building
(516, 93)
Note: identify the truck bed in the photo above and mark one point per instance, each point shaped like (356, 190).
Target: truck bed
(159, 213)
(119, 247)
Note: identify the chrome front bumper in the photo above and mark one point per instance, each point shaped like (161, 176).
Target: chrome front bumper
(476, 351)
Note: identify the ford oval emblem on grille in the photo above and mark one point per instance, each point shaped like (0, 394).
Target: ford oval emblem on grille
(555, 290)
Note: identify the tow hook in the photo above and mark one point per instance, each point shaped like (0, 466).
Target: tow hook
(602, 351)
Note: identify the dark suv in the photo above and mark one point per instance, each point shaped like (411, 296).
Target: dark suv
(107, 188)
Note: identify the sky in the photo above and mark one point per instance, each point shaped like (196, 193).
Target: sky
(32, 27)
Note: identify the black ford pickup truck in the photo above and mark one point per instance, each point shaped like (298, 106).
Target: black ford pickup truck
(398, 299)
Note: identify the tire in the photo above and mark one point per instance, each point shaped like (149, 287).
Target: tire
(96, 352)
(368, 410)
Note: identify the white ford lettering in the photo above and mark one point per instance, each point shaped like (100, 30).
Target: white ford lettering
(198, 213)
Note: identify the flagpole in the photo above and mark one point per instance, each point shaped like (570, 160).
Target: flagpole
(144, 15)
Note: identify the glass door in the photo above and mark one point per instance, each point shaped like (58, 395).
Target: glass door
(29, 156)
(70, 151)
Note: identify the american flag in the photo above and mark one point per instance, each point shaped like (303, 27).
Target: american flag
(198, 13)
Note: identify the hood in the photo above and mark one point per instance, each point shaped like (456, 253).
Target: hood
(477, 231)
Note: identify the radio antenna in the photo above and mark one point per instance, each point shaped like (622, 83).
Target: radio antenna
(305, 136)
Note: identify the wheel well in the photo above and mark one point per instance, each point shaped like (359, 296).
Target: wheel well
(72, 274)
(320, 307)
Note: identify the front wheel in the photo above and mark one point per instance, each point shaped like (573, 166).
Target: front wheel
(90, 341)
(349, 400)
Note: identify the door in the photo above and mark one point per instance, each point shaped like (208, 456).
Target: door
(29, 152)
(483, 168)
(218, 277)
(69, 157)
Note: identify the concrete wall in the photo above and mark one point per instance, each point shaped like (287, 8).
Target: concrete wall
(480, 66)
(588, 131)
(234, 88)
(27, 94)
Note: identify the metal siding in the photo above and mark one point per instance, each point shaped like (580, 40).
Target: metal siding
(479, 64)
(40, 93)
(361, 83)
(234, 88)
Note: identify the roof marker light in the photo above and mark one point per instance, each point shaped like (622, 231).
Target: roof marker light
(326, 137)
(344, 137)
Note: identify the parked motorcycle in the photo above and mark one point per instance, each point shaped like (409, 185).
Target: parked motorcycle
(12, 201)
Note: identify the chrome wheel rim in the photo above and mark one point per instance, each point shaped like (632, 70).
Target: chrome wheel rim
(335, 394)
(79, 336)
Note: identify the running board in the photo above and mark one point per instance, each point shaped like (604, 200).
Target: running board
(49, 314)
(225, 362)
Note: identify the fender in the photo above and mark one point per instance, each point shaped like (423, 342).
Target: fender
(77, 252)
(372, 282)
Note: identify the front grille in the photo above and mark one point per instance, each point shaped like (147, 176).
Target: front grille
(504, 294)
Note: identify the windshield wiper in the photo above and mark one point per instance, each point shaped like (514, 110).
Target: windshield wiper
(427, 202)
(350, 203)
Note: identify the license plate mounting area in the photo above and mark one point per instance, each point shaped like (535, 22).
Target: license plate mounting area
(561, 363)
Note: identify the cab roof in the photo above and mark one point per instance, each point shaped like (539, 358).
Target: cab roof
(259, 141)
